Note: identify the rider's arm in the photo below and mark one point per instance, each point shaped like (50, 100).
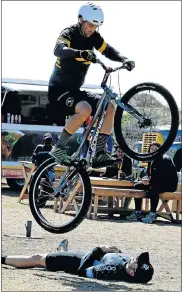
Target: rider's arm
(112, 54)
(62, 48)
(107, 50)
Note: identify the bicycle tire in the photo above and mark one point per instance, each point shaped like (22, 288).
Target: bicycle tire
(174, 121)
(85, 205)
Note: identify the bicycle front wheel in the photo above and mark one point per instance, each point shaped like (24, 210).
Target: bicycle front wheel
(59, 197)
(156, 104)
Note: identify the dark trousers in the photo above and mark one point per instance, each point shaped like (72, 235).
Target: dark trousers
(152, 193)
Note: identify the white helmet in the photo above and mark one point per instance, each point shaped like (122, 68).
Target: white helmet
(92, 13)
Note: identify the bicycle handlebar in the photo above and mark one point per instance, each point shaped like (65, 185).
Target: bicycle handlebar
(109, 69)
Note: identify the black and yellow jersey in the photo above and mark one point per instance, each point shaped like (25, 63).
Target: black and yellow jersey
(70, 69)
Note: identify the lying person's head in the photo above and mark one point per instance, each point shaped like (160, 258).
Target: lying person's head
(140, 269)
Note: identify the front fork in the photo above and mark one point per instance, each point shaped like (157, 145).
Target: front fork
(142, 121)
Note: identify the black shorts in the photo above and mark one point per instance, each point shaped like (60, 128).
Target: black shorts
(66, 100)
(68, 262)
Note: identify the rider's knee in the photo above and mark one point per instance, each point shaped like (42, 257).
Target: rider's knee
(110, 108)
(84, 109)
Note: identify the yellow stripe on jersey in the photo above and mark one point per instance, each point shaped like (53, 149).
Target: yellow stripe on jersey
(103, 47)
(87, 63)
(65, 40)
(83, 60)
(58, 61)
(58, 66)
(80, 59)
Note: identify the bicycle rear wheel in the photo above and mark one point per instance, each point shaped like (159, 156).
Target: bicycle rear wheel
(59, 209)
(156, 103)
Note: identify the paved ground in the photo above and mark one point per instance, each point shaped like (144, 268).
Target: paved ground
(162, 240)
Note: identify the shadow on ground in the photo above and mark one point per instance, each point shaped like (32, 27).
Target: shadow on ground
(6, 191)
(83, 284)
(119, 220)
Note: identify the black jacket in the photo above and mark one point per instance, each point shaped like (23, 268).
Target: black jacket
(40, 154)
(70, 68)
(163, 174)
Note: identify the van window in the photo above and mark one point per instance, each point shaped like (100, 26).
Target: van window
(33, 107)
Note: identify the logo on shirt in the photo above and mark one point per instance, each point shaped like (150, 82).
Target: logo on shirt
(105, 268)
(69, 101)
(145, 267)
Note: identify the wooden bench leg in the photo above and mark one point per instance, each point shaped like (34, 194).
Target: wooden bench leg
(56, 205)
(162, 207)
(96, 202)
(147, 202)
(25, 186)
(89, 211)
(178, 208)
(27, 181)
(167, 209)
(110, 202)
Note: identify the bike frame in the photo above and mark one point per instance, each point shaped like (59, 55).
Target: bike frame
(106, 97)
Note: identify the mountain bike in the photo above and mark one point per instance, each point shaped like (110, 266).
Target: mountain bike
(138, 110)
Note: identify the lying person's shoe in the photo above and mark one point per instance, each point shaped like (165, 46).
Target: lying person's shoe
(134, 217)
(150, 218)
(60, 155)
(103, 159)
(63, 245)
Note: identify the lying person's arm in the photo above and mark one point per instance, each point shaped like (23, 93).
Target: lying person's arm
(106, 272)
(95, 255)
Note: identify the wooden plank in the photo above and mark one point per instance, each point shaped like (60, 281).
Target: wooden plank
(116, 192)
(170, 196)
(133, 193)
(97, 181)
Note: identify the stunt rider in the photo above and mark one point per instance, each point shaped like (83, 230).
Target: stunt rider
(74, 52)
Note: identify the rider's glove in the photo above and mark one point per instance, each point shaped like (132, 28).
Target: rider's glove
(129, 64)
(89, 56)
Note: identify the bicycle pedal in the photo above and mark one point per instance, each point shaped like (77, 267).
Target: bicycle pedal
(75, 163)
(80, 163)
(57, 195)
(83, 162)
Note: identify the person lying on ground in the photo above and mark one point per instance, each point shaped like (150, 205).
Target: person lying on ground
(103, 262)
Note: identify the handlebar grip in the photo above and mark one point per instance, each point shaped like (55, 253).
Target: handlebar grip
(126, 66)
